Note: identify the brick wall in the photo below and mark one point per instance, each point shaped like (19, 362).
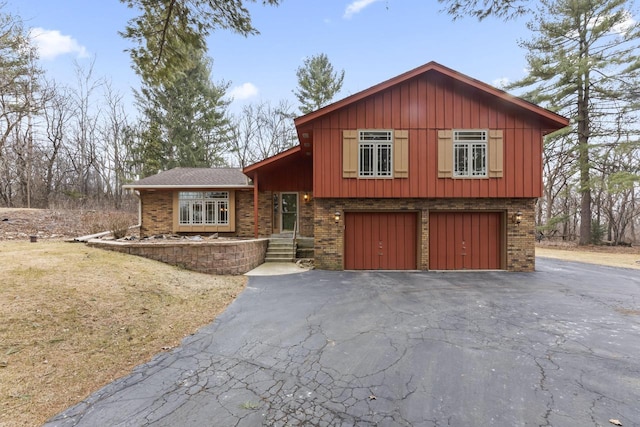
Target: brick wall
(218, 257)
(157, 212)
(305, 212)
(520, 239)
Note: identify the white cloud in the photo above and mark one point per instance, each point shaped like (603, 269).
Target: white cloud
(626, 25)
(500, 82)
(621, 28)
(356, 7)
(244, 91)
(51, 43)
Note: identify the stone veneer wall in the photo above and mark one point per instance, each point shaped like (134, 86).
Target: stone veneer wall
(329, 236)
(213, 257)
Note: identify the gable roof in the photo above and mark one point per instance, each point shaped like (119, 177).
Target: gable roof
(194, 178)
(269, 161)
(555, 120)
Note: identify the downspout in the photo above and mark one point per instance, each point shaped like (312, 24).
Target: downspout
(139, 209)
(255, 205)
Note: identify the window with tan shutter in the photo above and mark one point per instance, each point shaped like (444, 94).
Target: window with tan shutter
(375, 153)
(349, 153)
(445, 153)
(401, 154)
(470, 153)
(496, 157)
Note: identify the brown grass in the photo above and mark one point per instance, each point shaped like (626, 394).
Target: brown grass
(603, 255)
(75, 318)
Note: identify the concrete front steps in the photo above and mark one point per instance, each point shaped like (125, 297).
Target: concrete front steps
(281, 249)
(285, 249)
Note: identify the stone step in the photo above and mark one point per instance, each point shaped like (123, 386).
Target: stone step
(278, 259)
(280, 247)
(289, 252)
(280, 250)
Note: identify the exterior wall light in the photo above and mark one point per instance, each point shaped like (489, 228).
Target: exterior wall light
(336, 217)
(305, 197)
(517, 218)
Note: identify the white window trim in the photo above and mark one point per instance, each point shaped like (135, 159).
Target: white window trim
(219, 204)
(463, 138)
(376, 147)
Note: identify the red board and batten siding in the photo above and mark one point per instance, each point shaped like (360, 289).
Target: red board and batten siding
(380, 241)
(424, 105)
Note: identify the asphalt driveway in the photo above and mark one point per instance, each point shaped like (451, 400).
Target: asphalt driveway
(559, 347)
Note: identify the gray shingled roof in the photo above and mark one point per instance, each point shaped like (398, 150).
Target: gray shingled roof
(194, 177)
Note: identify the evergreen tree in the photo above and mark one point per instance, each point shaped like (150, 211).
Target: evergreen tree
(317, 83)
(167, 29)
(584, 63)
(482, 9)
(19, 75)
(185, 121)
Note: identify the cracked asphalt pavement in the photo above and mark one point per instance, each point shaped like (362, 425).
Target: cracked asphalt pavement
(558, 347)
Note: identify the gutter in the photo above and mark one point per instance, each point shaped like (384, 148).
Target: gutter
(177, 187)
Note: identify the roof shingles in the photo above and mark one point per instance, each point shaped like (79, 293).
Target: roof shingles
(194, 177)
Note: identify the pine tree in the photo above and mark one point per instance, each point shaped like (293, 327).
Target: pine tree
(185, 121)
(317, 83)
(584, 63)
(167, 29)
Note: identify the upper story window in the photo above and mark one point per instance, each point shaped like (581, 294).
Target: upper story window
(375, 153)
(203, 207)
(470, 153)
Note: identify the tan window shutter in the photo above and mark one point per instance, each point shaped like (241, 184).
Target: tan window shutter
(401, 154)
(349, 153)
(445, 153)
(496, 148)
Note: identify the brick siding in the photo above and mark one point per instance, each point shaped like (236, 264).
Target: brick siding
(305, 212)
(157, 213)
(519, 240)
(218, 257)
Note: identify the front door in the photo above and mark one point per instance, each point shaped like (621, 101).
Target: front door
(288, 211)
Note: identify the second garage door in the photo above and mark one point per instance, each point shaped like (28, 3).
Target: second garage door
(380, 241)
(465, 240)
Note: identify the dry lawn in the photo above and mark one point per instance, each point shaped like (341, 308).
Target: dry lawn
(74, 318)
(627, 257)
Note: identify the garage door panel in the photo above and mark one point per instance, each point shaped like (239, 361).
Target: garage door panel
(465, 240)
(380, 240)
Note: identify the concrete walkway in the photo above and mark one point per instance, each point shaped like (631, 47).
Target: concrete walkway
(276, 269)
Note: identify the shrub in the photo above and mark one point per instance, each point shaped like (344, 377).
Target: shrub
(115, 222)
(118, 223)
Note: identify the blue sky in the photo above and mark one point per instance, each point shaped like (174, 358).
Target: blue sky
(372, 40)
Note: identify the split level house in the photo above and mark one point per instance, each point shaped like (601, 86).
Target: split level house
(430, 170)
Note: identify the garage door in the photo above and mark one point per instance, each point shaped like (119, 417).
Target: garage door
(380, 241)
(465, 240)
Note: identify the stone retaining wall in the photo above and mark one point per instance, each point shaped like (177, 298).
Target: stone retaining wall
(218, 257)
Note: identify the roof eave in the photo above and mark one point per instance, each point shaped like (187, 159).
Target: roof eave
(177, 187)
(251, 169)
